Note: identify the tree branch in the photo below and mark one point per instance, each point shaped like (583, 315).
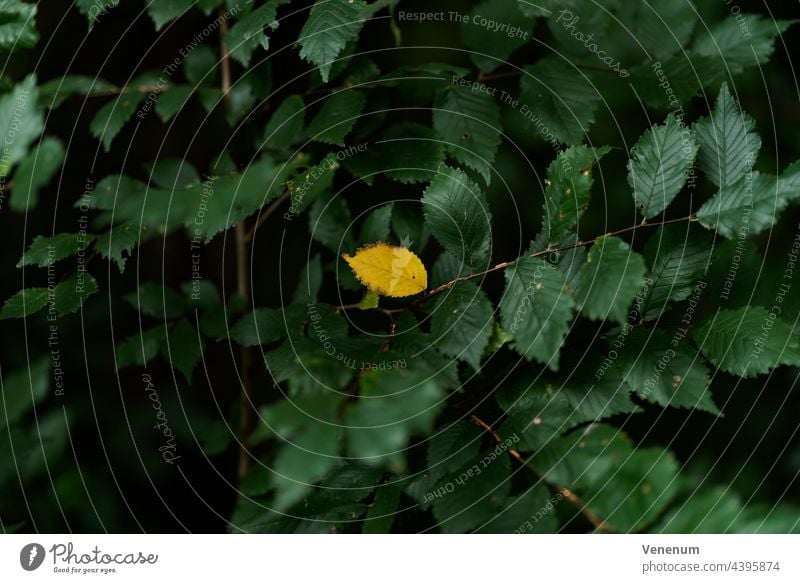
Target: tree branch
(501, 266)
(570, 496)
(242, 278)
(267, 213)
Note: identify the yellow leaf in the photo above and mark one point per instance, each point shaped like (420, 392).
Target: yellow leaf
(388, 270)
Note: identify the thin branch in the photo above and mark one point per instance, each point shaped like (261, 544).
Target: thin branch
(267, 213)
(242, 277)
(502, 75)
(501, 266)
(570, 496)
(127, 89)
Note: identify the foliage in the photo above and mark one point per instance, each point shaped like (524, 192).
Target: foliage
(375, 368)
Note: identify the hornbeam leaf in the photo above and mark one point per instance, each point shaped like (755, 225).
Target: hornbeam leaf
(462, 322)
(728, 144)
(330, 26)
(388, 270)
(536, 309)
(337, 117)
(458, 216)
(659, 165)
(469, 123)
(569, 183)
(609, 280)
(745, 208)
(560, 101)
(748, 341)
(663, 369)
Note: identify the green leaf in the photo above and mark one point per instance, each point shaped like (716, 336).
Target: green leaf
(741, 41)
(21, 122)
(117, 243)
(304, 459)
(330, 26)
(289, 416)
(158, 301)
(142, 347)
(662, 368)
(233, 198)
(677, 257)
(610, 279)
(248, 33)
(715, 510)
(559, 100)
(457, 214)
(469, 123)
(532, 512)
(329, 222)
(748, 341)
(45, 251)
(659, 165)
(200, 66)
(382, 512)
(687, 74)
(22, 390)
(35, 172)
(110, 119)
(18, 25)
(581, 30)
(24, 303)
(71, 293)
(728, 143)
(183, 348)
(284, 125)
(376, 226)
(469, 498)
(394, 405)
(746, 208)
(172, 100)
(259, 327)
(627, 488)
(54, 92)
(409, 227)
(535, 8)
(537, 414)
(172, 173)
(337, 116)
(659, 30)
(452, 447)
(536, 309)
(162, 11)
(93, 10)
(491, 48)
(569, 184)
(406, 152)
(462, 322)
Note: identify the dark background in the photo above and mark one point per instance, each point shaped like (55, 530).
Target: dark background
(108, 478)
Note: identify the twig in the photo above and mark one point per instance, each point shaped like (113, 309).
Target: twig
(502, 75)
(242, 277)
(505, 264)
(127, 89)
(570, 496)
(266, 214)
